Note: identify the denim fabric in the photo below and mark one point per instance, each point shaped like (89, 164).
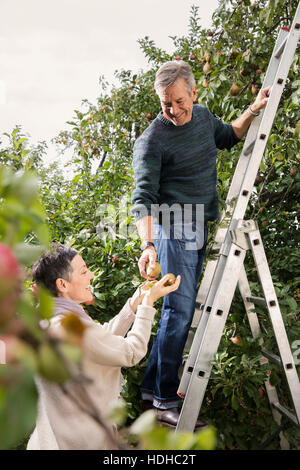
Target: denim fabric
(176, 255)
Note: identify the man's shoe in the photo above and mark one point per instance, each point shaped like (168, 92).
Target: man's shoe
(170, 418)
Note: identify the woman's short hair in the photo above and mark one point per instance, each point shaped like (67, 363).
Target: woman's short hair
(171, 71)
(54, 264)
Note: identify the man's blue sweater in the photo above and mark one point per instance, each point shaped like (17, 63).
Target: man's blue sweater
(177, 164)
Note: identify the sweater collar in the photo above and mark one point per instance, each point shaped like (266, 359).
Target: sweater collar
(64, 306)
(170, 124)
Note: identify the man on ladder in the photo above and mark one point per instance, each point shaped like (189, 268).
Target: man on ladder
(223, 275)
(175, 163)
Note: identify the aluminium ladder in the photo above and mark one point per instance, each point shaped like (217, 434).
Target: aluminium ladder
(222, 274)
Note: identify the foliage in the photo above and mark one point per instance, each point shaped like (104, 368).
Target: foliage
(89, 209)
(160, 438)
(21, 218)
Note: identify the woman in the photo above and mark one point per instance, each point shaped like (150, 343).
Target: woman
(62, 421)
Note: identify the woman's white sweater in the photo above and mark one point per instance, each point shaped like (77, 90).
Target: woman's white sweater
(61, 424)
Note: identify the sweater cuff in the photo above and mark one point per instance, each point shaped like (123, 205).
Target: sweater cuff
(236, 139)
(146, 312)
(141, 210)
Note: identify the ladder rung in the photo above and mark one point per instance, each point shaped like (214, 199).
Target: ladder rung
(286, 413)
(249, 148)
(257, 301)
(272, 357)
(279, 51)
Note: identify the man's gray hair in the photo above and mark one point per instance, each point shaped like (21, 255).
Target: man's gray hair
(171, 71)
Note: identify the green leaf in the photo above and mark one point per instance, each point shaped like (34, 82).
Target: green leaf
(234, 402)
(292, 304)
(144, 424)
(27, 254)
(45, 303)
(205, 439)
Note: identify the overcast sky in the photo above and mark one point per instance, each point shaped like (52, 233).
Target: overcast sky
(52, 53)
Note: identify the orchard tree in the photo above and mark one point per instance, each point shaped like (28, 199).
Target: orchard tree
(229, 61)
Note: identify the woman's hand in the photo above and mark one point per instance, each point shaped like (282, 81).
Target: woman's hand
(159, 289)
(138, 296)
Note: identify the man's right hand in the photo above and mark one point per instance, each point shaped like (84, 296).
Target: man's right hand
(148, 256)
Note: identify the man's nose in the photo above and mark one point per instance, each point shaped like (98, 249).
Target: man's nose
(174, 109)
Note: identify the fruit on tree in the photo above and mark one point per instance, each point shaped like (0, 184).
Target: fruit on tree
(234, 90)
(206, 67)
(254, 89)
(153, 272)
(261, 392)
(236, 340)
(259, 179)
(9, 266)
(206, 56)
(9, 283)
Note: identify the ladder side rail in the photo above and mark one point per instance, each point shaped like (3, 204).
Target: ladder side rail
(188, 414)
(266, 123)
(240, 170)
(252, 132)
(211, 339)
(279, 330)
(190, 361)
(203, 289)
(272, 394)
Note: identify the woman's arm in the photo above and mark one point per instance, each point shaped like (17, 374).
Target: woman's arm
(103, 347)
(120, 324)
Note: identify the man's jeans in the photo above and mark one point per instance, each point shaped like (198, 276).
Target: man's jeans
(161, 381)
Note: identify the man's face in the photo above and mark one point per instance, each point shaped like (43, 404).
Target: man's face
(78, 287)
(177, 102)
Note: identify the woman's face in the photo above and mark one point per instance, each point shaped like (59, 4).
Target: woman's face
(78, 287)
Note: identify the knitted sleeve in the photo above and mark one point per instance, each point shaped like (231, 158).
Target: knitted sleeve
(147, 161)
(225, 137)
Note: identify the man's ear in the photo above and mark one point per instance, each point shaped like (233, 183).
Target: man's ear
(194, 93)
(61, 285)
